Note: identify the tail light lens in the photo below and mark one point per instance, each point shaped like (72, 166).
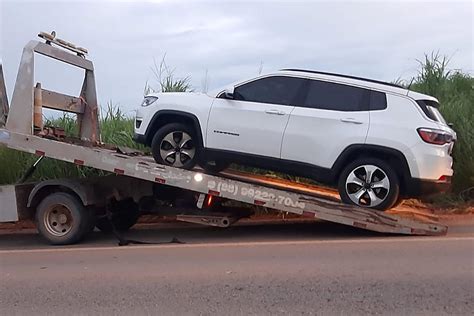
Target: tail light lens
(435, 136)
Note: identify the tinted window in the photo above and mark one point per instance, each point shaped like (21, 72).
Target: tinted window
(378, 100)
(276, 90)
(431, 110)
(337, 97)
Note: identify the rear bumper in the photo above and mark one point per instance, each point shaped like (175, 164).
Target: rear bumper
(421, 187)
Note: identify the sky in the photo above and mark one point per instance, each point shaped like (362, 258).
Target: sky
(233, 40)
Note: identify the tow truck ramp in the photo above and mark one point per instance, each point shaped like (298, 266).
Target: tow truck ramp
(24, 134)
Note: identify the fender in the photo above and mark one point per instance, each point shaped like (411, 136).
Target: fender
(151, 129)
(84, 192)
(357, 149)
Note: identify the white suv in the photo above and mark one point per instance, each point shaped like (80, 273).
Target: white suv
(376, 141)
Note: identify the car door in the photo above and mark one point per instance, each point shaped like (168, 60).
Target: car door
(331, 117)
(253, 121)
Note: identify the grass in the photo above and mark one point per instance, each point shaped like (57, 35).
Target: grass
(454, 89)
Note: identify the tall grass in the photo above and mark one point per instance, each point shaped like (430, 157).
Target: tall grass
(455, 91)
(116, 129)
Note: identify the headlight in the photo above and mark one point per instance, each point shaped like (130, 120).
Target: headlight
(149, 100)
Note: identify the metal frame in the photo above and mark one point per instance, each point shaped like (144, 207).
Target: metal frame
(18, 135)
(20, 117)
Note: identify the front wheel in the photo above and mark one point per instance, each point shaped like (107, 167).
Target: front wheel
(175, 145)
(369, 183)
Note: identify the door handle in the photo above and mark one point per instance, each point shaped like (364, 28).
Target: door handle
(274, 112)
(351, 120)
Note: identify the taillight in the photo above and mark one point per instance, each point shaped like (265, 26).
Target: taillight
(435, 136)
(446, 179)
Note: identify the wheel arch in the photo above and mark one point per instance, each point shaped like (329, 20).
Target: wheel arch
(45, 188)
(163, 117)
(396, 159)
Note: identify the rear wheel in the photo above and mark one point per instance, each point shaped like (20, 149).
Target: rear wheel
(125, 214)
(369, 183)
(62, 219)
(175, 145)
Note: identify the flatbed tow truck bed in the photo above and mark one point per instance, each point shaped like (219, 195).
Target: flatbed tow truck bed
(22, 133)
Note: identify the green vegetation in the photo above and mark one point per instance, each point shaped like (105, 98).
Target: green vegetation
(454, 89)
(116, 129)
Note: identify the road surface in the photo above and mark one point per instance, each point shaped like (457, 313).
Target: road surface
(293, 269)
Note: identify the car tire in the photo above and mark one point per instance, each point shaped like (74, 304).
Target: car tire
(380, 192)
(62, 219)
(176, 145)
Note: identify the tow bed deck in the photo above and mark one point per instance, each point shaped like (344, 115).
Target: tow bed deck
(294, 199)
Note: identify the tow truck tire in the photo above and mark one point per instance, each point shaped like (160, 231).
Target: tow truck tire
(125, 215)
(62, 219)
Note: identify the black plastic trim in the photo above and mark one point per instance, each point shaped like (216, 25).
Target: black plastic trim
(319, 174)
(151, 128)
(419, 187)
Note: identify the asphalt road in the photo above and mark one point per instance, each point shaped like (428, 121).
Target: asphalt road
(296, 269)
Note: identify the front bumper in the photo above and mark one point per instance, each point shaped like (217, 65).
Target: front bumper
(141, 139)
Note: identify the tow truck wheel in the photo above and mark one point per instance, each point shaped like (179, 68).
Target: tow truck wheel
(62, 219)
(125, 214)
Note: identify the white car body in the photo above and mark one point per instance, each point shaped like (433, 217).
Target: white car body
(311, 136)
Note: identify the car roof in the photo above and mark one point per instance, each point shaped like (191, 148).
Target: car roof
(357, 81)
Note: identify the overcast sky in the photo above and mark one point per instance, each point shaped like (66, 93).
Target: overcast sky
(232, 39)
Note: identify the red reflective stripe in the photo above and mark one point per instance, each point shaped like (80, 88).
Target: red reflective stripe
(119, 171)
(78, 162)
(212, 192)
(159, 180)
(360, 225)
(39, 153)
(308, 214)
(258, 202)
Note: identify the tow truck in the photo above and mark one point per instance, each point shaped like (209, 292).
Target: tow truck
(66, 210)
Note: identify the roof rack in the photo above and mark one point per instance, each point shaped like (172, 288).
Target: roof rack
(346, 76)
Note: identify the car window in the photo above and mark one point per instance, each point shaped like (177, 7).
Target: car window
(431, 110)
(336, 97)
(275, 90)
(378, 101)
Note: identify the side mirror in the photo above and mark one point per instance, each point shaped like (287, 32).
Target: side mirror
(228, 94)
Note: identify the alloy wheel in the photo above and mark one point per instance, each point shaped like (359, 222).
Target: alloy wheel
(367, 185)
(177, 148)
